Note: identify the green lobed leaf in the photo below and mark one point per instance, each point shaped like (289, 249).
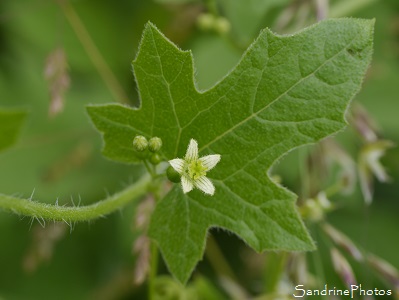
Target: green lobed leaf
(285, 92)
(10, 125)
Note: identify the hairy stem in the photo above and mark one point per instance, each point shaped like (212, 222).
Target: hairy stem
(42, 211)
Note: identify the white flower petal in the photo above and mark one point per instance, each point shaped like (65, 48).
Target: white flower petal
(375, 165)
(205, 185)
(210, 161)
(192, 151)
(186, 184)
(178, 164)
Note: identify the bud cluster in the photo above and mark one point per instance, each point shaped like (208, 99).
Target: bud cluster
(148, 149)
(210, 22)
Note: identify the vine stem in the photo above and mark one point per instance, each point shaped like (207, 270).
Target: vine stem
(149, 169)
(42, 211)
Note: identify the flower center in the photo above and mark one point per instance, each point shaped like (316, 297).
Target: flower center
(196, 169)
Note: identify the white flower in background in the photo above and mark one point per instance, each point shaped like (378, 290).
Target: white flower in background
(369, 165)
(343, 268)
(193, 169)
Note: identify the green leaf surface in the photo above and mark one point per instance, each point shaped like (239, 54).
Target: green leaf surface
(285, 92)
(11, 122)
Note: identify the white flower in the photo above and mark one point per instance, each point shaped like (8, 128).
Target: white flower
(369, 164)
(193, 169)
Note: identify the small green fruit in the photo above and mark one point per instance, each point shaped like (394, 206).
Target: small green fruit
(172, 175)
(155, 158)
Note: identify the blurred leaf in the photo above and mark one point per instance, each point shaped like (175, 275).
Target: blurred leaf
(11, 122)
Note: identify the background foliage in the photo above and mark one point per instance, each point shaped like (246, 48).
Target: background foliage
(59, 157)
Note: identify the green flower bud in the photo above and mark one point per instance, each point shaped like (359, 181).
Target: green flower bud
(155, 144)
(172, 175)
(222, 25)
(206, 21)
(140, 143)
(155, 158)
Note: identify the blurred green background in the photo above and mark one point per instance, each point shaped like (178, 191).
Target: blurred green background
(60, 157)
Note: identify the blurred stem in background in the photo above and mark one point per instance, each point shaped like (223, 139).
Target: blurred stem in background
(94, 54)
(344, 8)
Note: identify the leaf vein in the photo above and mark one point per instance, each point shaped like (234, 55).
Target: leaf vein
(277, 98)
(169, 95)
